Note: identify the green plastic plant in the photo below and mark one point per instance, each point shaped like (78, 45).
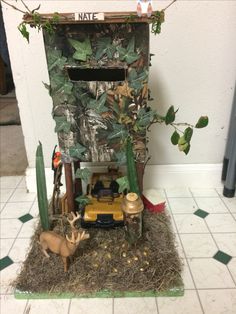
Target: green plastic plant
(41, 188)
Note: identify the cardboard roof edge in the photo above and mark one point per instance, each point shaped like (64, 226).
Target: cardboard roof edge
(109, 17)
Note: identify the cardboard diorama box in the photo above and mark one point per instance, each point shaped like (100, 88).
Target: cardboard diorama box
(98, 82)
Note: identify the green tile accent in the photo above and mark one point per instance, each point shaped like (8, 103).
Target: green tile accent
(222, 257)
(201, 213)
(5, 262)
(25, 218)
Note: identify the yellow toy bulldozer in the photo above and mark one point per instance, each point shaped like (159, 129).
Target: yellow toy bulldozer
(104, 209)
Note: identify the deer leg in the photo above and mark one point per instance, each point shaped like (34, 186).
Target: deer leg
(45, 253)
(65, 262)
(44, 249)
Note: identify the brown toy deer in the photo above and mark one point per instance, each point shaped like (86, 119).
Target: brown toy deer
(65, 247)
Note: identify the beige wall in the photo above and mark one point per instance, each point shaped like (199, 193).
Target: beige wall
(194, 68)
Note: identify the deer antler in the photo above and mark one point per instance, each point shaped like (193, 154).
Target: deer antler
(73, 220)
(83, 236)
(80, 237)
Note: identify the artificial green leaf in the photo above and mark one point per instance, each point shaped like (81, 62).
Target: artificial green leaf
(83, 200)
(136, 80)
(170, 116)
(128, 54)
(188, 134)
(57, 81)
(77, 151)
(55, 18)
(187, 149)
(202, 122)
(48, 27)
(175, 138)
(125, 104)
(116, 108)
(131, 57)
(119, 131)
(55, 59)
(145, 117)
(104, 46)
(157, 20)
(182, 144)
(123, 184)
(83, 174)
(132, 75)
(131, 45)
(23, 30)
(67, 88)
(120, 157)
(80, 55)
(83, 49)
(62, 125)
(99, 104)
(110, 51)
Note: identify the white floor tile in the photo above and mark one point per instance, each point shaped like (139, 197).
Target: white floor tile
(9, 274)
(135, 306)
(28, 228)
(232, 267)
(10, 182)
(221, 223)
(204, 192)
(209, 274)
(5, 246)
(91, 306)
(9, 228)
(53, 306)
(22, 184)
(2, 205)
(226, 242)
(188, 304)
(179, 246)
(198, 245)
(178, 192)
(5, 194)
(218, 301)
(9, 305)
(186, 276)
(20, 250)
(16, 210)
(21, 195)
(190, 224)
(211, 205)
(34, 210)
(230, 203)
(182, 205)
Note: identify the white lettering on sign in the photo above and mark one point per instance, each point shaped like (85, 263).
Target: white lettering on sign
(81, 16)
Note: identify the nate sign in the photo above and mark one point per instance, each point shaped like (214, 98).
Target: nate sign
(89, 16)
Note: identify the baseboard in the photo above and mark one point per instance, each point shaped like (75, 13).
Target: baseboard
(156, 176)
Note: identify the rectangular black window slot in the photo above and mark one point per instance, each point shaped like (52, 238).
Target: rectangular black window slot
(104, 74)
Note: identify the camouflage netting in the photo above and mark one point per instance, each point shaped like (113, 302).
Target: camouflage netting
(93, 118)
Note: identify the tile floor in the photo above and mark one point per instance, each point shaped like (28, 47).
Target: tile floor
(205, 227)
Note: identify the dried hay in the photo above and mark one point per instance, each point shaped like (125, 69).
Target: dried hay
(107, 262)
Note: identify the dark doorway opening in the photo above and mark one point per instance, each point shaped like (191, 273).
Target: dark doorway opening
(102, 74)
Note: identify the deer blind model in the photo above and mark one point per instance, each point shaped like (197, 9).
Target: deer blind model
(98, 82)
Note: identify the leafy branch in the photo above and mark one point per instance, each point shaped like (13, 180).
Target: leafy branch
(158, 18)
(36, 19)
